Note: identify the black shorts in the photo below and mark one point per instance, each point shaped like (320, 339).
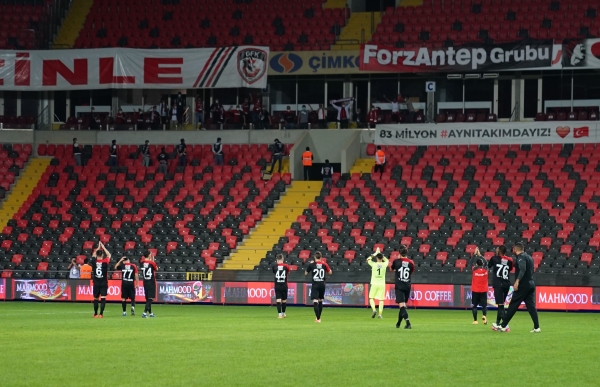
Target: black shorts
(127, 291)
(100, 289)
(402, 295)
(500, 294)
(479, 298)
(317, 291)
(150, 290)
(281, 291)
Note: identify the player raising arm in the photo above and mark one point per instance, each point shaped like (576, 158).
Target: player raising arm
(479, 287)
(149, 270)
(377, 289)
(100, 261)
(317, 269)
(403, 269)
(500, 265)
(128, 287)
(281, 271)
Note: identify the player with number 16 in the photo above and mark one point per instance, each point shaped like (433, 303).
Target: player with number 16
(403, 268)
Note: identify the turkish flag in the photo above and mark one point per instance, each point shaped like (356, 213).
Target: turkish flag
(584, 131)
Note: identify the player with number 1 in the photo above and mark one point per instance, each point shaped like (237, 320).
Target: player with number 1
(317, 269)
(377, 286)
(281, 271)
(403, 268)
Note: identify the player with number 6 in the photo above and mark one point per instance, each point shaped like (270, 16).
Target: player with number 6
(403, 269)
(377, 287)
(100, 261)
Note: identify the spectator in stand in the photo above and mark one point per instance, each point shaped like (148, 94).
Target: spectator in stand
(164, 112)
(289, 118)
(247, 114)
(216, 110)
(113, 160)
(238, 117)
(278, 150)
(174, 117)
(163, 161)
(322, 117)
(140, 116)
(180, 103)
(359, 118)
(181, 153)
(199, 112)
(217, 149)
(303, 117)
(411, 110)
(343, 107)
(327, 173)
(154, 118)
(74, 269)
(145, 151)
(257, 108)
(379, 161)
(395, 108)
(265, 119)
(76, 152)
(120, 118)
(373, 116)
(93, 124)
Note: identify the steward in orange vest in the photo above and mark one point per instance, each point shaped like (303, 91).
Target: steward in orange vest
(379, 161)
(307, 161)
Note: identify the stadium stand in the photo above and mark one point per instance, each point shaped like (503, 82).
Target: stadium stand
(13, 158)
(281, 25)
(445, 201)
(193, 219)
(21, 23)
(439, 23)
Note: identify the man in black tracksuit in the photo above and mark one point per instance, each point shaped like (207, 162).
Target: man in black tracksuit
(278, 150)
(524, 291)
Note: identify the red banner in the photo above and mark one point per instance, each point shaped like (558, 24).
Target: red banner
(84, 291)
(2, 288)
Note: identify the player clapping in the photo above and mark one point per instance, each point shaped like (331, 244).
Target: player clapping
(500, 265)
(129, 283)
(100, 261)
(317, 269)
(281, 271)
(149, 270)
(403, 268)
(377, 288)
(479, 287)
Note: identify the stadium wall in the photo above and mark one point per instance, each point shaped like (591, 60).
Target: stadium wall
(263, 293)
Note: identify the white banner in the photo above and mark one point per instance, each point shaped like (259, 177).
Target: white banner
(122, 68)
(549, 132)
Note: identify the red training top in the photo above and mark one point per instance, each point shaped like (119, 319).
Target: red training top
(479, 283)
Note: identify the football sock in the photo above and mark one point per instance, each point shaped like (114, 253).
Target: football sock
(150, 307)
(404, 313)
(316, 308)
(320, 308)
(474, 312)
(102, 305)
(400, 316)
(484, 310)
(133, 304)
(124, 305)
(283, 305)
(95, 307)
(279, 307)
(372, 303)
(380, 308)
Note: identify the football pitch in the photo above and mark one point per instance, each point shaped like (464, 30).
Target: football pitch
(60, 344)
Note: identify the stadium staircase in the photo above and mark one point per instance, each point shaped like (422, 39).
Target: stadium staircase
(353, 31)
(73, 23)
(335, 4)
(274, 226)
(411, 3)
(22, 189)
(362, 166)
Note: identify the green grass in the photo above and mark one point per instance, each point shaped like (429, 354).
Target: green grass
(60, 344)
